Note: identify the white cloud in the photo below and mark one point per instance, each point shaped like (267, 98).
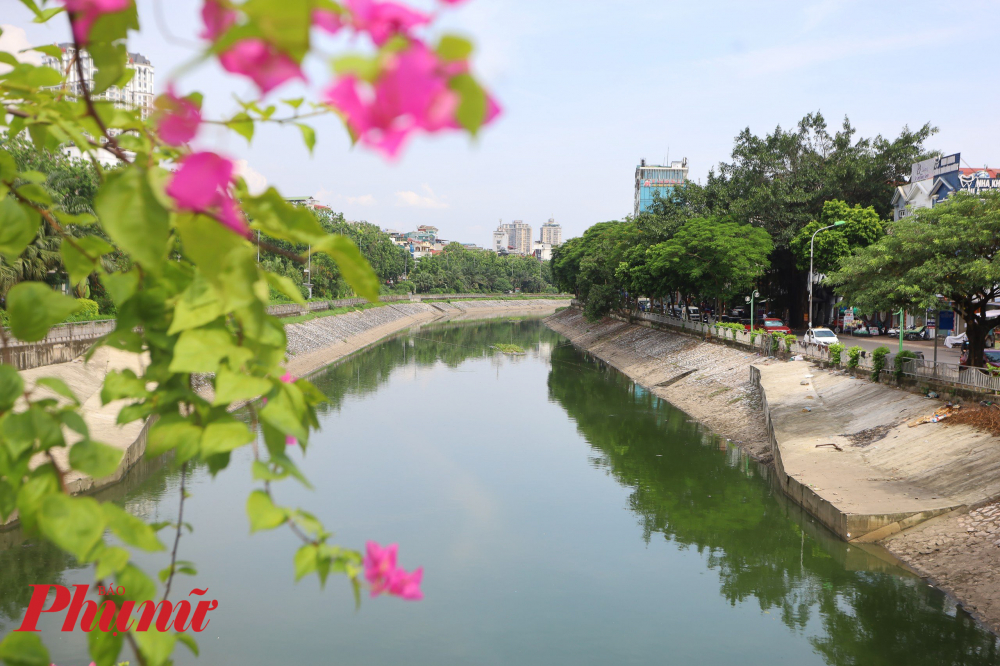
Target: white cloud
(414, 200)
(256, 182)
(817, 13)
(12, 41)
(786, 58)
(363, 200)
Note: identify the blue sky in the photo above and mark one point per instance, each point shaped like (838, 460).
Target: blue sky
(590, 87)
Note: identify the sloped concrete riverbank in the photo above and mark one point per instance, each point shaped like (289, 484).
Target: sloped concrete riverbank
(923, 493)
(312, 345)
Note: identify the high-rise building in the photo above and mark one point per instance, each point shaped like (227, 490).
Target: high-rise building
(500, 240)
(652, 179)
(518, 236)
(136, 94)
(551, 233)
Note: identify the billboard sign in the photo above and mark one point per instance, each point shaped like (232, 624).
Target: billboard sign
(934, 167)
(977, 181)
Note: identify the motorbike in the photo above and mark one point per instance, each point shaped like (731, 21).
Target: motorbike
(921, 333)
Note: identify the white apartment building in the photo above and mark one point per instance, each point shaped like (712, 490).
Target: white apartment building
(551, 233)
(518, 236)
(136, 94)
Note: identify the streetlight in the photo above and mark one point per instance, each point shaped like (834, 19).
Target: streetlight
(829, 226)
(750, 299)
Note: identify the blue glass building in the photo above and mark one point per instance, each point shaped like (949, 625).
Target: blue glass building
(651, 179)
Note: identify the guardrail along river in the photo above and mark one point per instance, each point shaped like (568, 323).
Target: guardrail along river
(562, 514)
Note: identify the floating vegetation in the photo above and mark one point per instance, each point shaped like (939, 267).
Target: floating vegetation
(509, 349)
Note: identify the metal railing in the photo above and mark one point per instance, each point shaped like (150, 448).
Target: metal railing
(952, 373)
(80, 330)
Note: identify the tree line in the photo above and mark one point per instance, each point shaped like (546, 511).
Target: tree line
(749, 225)
(74, 183)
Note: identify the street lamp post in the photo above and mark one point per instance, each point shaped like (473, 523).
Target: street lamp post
(750, 299)
(811, 240)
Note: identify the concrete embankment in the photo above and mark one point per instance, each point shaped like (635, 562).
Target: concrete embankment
(909, 489)
(849, 451)
(710, 382)
(312, 345)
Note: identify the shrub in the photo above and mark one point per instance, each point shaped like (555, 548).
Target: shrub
(897, 370)
(878, 361)
(835, 351)
(89, 310)
(853, 355)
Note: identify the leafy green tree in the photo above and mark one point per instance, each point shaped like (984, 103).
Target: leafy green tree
(952, 249)
(711, 257)
(781, 181)
(863, 227)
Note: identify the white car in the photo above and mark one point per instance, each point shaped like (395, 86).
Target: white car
(821, 336)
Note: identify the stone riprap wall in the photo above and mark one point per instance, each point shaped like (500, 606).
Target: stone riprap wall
(710, 382)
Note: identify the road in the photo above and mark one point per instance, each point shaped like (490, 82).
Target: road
(945, 355)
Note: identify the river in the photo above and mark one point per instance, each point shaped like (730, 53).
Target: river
(562, 514)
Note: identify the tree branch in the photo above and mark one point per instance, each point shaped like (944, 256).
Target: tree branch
(177, 536)
(112, 145)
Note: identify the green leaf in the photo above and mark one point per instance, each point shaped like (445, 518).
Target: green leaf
(242, 124)
(284, 23)
(130, 529)
(358, 66)
(11, 386)
(171, 433)
(111, 561)
(74, 422)
(453, 47)
(122, 384)
(8, 499)
(34, 308)
(75, 524)
(82, 256)
(262, 512)
(47, 49)
(471, 110)
(121, 286)
(138, 586)
(201, 350)
(233, 387)
(308, 136)
(286, 286)
(155, 646)
(284, 413)
(105, 646)
(224, 435)
(199, 305)
(305, 561)
(133, 217)
(352, 264)
(277, 218)
(18, 227)
(189, 642)
(23, 649)
(93, 458)
(59, 387)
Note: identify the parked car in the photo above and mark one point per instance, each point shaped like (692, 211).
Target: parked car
(990, 356)
(821, 336)
(771, 326)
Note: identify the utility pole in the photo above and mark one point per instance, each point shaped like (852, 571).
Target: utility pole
(811, 240)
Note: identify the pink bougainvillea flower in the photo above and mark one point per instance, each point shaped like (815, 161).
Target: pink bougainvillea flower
(85, 12)
(384, 20)
(411, 94)
(385, 577)
(178, 120)
(201, 185)
(288, 378)
(327, 21)
(379, 564)
(406, 585)
(261, 62)
(217, 18)
(290, 441)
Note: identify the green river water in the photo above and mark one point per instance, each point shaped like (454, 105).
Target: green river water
(562, 514)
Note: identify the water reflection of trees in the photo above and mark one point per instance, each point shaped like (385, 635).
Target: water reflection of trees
(449, 343)
(722, 506)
